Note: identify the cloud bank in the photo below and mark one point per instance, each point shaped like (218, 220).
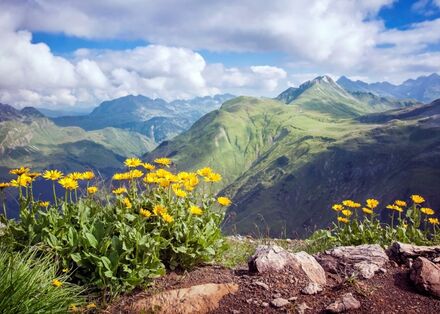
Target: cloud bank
(313, 36)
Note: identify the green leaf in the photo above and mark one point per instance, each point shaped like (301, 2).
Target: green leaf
(91, 240)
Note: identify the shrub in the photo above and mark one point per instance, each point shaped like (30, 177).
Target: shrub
(31, 285)
(152, 219)
(357, 224)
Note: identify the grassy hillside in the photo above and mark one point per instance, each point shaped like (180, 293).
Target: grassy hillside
(285, 164)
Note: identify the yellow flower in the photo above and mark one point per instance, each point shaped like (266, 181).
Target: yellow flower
(151, 178)
(73, 308)
(56, 283)
(224, 201)
(367, 210)
(417, 199)
(33, 175)
(68, 183)
(88, 175)
(75, 176)
(427, 211)
(133, 162)
(92, 190)
(4, 185)
(372, 203)
(167, 218)
(148, 166)
(127, 203)
(144, 212)
(163, 161)
(346, 212)
(120, 176)
(19, 171)
(343, 219)
(395, 207)
(52, 175)
(350, 203)
(180, 193)
(159, 210)
(119, 191)
(91, 306)
(195, 210)
(213, 177)
(204, 172)
(65, 270)
(433, 221)
(400, 203)
(22, 180)
(164, 183)
(43, 204)
(135, 174)
(337, 207)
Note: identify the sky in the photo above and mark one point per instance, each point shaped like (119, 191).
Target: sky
(65, 54)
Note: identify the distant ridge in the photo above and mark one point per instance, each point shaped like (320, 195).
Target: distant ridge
(423, 88)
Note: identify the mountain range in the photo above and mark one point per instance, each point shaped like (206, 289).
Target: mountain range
(285, 161)
(155, 118)
(424, 88)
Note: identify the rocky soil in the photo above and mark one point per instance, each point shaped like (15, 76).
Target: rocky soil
(362, 279)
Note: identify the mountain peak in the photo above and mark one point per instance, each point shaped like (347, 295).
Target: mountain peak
(323, 79)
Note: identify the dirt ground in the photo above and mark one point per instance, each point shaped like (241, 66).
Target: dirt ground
(389, 292)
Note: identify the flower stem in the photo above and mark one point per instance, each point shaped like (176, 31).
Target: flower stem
(54, 194)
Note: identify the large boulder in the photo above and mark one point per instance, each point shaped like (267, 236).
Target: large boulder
(426, 276)
(364, 260)
(196, 299)
(275, 258)
(402, 252)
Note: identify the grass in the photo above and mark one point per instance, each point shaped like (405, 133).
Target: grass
(26, 285)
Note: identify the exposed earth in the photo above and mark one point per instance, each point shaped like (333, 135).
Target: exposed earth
(390, 290)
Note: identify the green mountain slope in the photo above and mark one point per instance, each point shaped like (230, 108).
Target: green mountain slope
(155, 118)
(287, 163)
(36, 141)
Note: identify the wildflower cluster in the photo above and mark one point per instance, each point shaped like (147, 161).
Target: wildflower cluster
(153, 218)
(358, 224)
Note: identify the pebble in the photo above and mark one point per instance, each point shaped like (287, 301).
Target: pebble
(262, 285)
(311, 288)
(279, 302)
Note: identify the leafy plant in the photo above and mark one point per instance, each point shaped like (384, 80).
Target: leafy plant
(117, 241)
(357, 224)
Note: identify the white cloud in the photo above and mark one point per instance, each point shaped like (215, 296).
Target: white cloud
(31, 75)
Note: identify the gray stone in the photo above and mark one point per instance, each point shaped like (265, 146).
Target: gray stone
(311, 288)
(426, 276)
(262, 285)
(275, 258)
(401, 252)
(346, 303)
(279, 302)
(302, 308)
(364, 260)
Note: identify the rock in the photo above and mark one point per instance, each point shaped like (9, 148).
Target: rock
(275, 258)
(262, 285)
(264, 304)
(365, 259)
(310, 267)
(346, 303)
(400, 252)
(277, 295)
(366, 269)
(235, 312)
(196, 299)
(426, 276)
(311, 288)
(279, 302)
(292, 299)
(301, 308)
(436, 260)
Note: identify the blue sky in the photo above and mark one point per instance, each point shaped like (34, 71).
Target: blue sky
(78, 53)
